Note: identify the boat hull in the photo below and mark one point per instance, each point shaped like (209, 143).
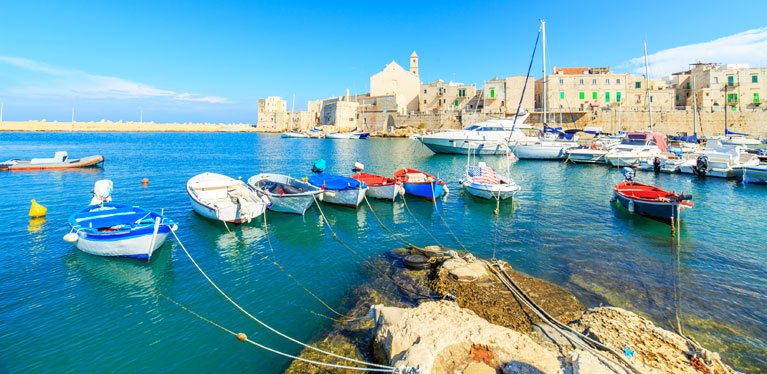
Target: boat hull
(587, 157)
(384, 192)
(132, 247)
(294, 203)
(463, 147)
(491, 192)
(752, 175)
(663, 211)
(252, 205)
(84, 162)
(350, 198)
(429, 191)
(533, 152)
(623, 161)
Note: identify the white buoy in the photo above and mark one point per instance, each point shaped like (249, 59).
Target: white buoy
(631, 206)
(359, 166)
(71, 237)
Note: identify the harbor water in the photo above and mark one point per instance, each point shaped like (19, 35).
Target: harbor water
(66, 311)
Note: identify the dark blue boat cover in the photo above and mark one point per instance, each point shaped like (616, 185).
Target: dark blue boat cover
(335, 182)
(728, 132)
(687, 138)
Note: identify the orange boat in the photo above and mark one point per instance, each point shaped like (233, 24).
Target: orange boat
(59, 161)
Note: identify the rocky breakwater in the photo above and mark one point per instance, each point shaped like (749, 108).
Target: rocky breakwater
(475, 324)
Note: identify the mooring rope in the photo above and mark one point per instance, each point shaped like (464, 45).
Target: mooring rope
(393, 235)
(578, 338)
(261, 322)
(282, 268)
(244, 338)
(366, 261)
(419, 222)
(439, 214)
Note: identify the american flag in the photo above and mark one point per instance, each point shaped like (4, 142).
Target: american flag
(482, 174)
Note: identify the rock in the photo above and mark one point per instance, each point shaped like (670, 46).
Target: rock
(439, 336)
(469, 272)
(583, 362)
(478, 368)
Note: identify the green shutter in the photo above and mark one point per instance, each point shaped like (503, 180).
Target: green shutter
(617, 97)
(730, 80)
(677, 97)
(638, 85)
(754, 79)
(581, 95)
(607, 97)
(688, 85)
(492, 93)
(756, 97)
(456, 102)
(733, 108)
(594, 95)
(561, 95)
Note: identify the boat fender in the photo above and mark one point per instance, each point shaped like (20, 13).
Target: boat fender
(446, 191)
(71, 237)
(416, 262)
(266, 200)
(631, 206)
(174, 227)
(358, 166)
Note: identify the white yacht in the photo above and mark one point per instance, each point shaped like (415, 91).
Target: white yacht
(541, 148)
(484, 138)
(594, 153)
(719, 160)
(635, 147)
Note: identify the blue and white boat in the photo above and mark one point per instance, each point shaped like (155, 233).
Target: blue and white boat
(752, 174)
(340, 190)
(288, 195)
(117, 230)
(482, 181)
(420, 184)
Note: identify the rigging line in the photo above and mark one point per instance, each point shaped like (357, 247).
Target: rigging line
(383, 368)
(366, 261)
(258, 320)
(443, 220)
(419, 222)
(387, 229)
(522, 96)
(282, 268)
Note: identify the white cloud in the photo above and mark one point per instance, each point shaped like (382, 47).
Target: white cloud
(61, 82)
(746, 47)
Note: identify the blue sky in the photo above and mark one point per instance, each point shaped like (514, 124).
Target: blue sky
(208, 61)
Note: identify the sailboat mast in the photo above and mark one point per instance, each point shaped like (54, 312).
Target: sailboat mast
(647, 83)
(694, 107)
(292, 106)
(545, 86)
(725, 108)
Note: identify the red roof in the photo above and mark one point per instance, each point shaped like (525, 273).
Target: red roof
(570, 71)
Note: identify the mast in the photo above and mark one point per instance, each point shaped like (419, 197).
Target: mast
(647, 83)
(292, 106)
(545, 86)
(694, 107)
(725, 108)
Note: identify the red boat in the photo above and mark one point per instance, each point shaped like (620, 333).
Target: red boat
(420, 184)
(651, 201)
(379, 187)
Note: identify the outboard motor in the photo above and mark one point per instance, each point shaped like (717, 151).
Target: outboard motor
(102, 192)
(701, 166)
(628, 173)
(319, 166)
(656, 164)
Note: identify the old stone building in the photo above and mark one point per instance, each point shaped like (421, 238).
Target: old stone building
(441, 96)
(736, 86)
(395, 81)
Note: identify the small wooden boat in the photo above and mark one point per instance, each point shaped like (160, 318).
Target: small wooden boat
(482, 181)
(420, 184)
(222, 198)
(651, 201)
(340, 135)
(753, 174)
(379, 187)
(60, 160)
(287, 195)
(339, 190)
(118, 230)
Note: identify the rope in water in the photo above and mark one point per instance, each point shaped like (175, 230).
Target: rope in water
(366, 261)
(434, 200)
(243, 337)
(577, 338)
(393, 235)
(697, 349)
(282, 268)
(261, 322)
(419, 222)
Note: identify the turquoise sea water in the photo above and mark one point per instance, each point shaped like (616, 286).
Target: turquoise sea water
(66, 311)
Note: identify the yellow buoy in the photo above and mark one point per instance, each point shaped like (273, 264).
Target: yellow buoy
(37, 210)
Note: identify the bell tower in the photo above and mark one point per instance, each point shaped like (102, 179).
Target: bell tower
(414, 63)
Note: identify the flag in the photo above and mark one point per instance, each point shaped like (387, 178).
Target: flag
(510, 156)
(482, 174)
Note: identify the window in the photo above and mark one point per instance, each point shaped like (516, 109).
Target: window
(594, 95)
(456, 103)
(650, 98)
(607, 97)
(754, 79)
(593, 81)
(607, 81)
(617, 97)
(424, 92)
(561, 95)
(581, 82)
(492, 93)
(424, 101)
(716, 79)
(730, 80)
(561, 82)
(688, 85)
(617, 81)
(732, 98)
(756, 98)
(677, 97)
(637, 84)
(733, 108)
(581, 95)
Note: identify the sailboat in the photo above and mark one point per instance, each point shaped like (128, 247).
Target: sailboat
(547, 146)
(291, 133)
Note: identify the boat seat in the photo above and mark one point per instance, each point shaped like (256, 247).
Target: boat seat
(274, 187)
(416, 177)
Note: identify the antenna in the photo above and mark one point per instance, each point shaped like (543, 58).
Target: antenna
(73, 114)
